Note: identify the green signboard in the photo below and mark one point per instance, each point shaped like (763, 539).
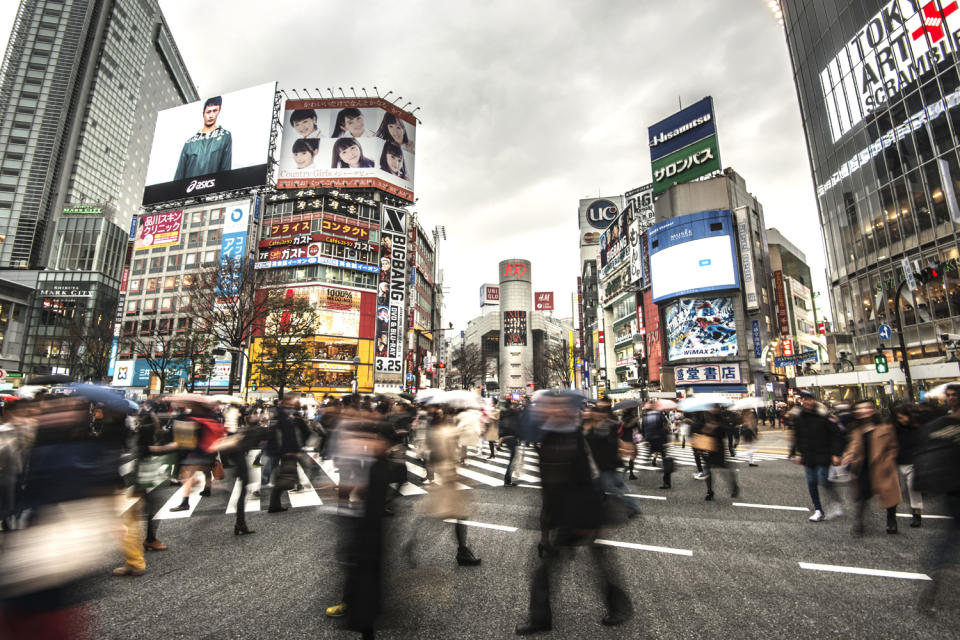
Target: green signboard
(693, 161)
(83, 211)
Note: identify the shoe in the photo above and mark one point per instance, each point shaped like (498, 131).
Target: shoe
(242, 529)
(205, 493)
(836, 511)
(735, 493)
(817, 516)
(127, 570)
(753, 464)
(615, 618)
(633, 477)
(527, 628)
(700, 476)
(183, 506)
(633, 514)
(256, 494)
(709, 496)
(278, 510)
(892, 525)
(465, 557)
(156, 545)
(337, 611)
(175, 483)
(510, 484)
(299, 487)
(665, 486)
(916, 519)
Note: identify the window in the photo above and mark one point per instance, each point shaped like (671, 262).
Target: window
(174, 262)
(209, 257)
(133, 306)
(194, 239)
(134, 285)
(139, 266)
(153, 284)
(183, 323)
(146, 327)
(165, 326)
(166, 304)
(197, 218)
(184, 303)
(156, 264)
(216, 215)
(170, 283)
(129, 328)
(150, 305)
(191, 259)
(213, 237)
(189, 279)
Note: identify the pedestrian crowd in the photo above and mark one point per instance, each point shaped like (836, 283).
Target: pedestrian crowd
(62, 448)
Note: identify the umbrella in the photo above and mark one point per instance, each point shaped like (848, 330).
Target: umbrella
(703, 402)
(8, 398)
(424, 395)
(750, 402)
(50, 379)
(225, 399)
(190, 398)
(407, 396)
(626, 404)
(660, 404)
(106, 396)
(457, 399)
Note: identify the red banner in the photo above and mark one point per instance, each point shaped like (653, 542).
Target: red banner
(543, 301)
(781, 304)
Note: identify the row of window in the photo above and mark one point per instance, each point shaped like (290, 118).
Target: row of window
(174, 262)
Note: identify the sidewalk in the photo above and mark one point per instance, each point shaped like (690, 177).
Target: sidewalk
(774, 441)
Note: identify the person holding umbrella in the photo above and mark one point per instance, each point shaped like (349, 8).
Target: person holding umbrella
(654, 427)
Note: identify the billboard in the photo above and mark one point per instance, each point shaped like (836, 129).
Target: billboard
(543, 301)
(682, 129)
(338, 310)
(489, 294)
(615, 241)
(158, 230)
(700, 328)
(515, 328)
(351, 142)
(216, 144)
(707, 374)
(746, 259)
(692, 253)
(391, 297)
(781, 294)
(699, 159)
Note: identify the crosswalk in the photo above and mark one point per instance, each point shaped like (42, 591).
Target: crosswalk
(319, 477)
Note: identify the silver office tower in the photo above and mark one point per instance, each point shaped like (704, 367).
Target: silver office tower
(80, 87)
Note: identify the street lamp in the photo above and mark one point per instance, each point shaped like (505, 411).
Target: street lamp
(356, 368)
(638, 354)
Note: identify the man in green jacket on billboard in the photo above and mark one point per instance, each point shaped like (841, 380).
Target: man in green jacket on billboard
(208, 151)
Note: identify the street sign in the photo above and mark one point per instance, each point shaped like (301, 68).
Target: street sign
(3, 374)
(884, 331)
(908, 274)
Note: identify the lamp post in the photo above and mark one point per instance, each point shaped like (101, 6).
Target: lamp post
(639, 355)
(356, 368)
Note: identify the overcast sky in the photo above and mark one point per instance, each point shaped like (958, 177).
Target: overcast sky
(528, 106)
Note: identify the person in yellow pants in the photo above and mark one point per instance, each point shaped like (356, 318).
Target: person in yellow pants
(134, 564)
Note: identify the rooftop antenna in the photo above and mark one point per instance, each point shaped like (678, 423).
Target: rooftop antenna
(377, 91)
(295, 92)
(331, 92)
(340, 89)
(353, 92)
(364, 89)
(387, 94)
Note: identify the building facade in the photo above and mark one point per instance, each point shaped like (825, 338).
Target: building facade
(80, 87)
(879, 90)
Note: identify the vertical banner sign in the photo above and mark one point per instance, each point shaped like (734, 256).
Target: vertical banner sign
(757, 343)
(636, 259)
(543, 301)
(570, 349)
(746, 260)
(391, 297)
(781, 303)
(233, 246)
(515, 328)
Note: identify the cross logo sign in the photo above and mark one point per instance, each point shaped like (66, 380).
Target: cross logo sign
(933, 21)
(515, 269)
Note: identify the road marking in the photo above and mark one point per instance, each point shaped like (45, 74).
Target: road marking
(640, 495)
(479, 477)
(177, 498)
(500, 470)
(866, 572)
(769, 506)
(252, 502)
(482, 525)
(307, 497)
(410, 489)
(924, 516)
(645, 547)
(416, 470)
(529, 486)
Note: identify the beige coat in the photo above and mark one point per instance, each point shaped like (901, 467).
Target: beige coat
(444, 500)
(884, 481)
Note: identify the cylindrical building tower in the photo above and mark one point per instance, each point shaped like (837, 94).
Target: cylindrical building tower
(516, 346)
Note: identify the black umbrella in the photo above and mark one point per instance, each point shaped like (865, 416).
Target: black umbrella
(626, 404)
(407, 396)
(49, 379)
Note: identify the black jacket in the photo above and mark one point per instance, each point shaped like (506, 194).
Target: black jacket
(908, 440)
(602, 439)
(816, 438)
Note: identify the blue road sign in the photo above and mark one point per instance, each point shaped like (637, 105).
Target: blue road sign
(884, 332)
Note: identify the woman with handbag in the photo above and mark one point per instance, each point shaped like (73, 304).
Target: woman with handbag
(629, 434)
(711, 441)
(197, 433)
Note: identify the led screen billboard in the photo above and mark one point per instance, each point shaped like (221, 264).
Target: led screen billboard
(700, 328)
(217, 144)
(356, 142)
(515, 328)
(692, 253)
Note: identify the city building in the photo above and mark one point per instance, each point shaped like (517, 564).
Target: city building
(792, 283)
(80, 87)
(879, 91)
(425, 301)
(710, 281)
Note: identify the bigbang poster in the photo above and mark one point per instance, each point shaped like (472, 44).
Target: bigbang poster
(700, 328)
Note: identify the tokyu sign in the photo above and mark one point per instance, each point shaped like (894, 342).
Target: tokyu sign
(898, 47)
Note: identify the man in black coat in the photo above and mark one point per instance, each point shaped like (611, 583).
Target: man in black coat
(817, 443)
(287, 438)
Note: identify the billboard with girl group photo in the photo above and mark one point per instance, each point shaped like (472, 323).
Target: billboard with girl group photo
(351, 143)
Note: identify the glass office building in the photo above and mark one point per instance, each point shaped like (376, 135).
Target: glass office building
(879, 90)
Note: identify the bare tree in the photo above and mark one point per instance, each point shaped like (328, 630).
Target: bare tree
(194, 349)
(283, 359)
(229, 297)
(160, 352)
(87, 340)
(470, 364)
(553, 368)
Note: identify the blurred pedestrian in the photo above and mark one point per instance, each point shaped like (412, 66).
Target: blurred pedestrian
(600, 430)
(655, 432)
(872, 454)
(288, 434)
(712, 439)
(749, 433)
(508, 436)
(196, 434)
(817, 443)
(908, 439)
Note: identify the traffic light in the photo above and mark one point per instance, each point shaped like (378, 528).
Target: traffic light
(880, 362)
(929, 274)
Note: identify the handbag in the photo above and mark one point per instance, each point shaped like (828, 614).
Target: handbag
(839, 474)
(703, 442)
(285, 475)
(185, 434)
(218, 473)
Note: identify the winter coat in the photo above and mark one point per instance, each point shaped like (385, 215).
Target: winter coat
(908, 440)
(748, 426)
(881, 464)
(816, 437)
(601, 435)
(443, 499)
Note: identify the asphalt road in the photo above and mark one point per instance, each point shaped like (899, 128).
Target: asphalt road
(729, 571)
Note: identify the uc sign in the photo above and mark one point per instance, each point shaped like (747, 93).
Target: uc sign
(601, 213)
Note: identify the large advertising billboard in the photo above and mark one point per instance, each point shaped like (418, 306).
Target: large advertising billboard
(699, 159)
(217, 144)
(157, 230)
(615, 241)
(683, 146)
(515, 328)
(692, 253)
(543, 300)
(391, 297)
(338, 310)
(351, 142)
(700, 328)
